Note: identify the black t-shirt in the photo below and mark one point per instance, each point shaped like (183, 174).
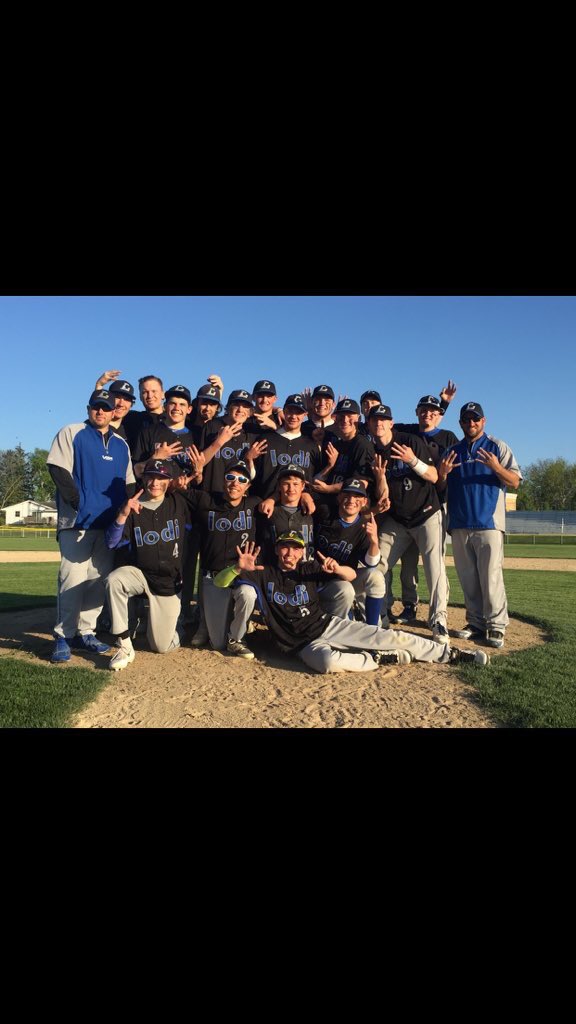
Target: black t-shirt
(413, 500)
(281, 521)
(151, 437)
(153, 541)
(222, 526)
(229, 453)
(282, 452)
(290, 603)
(346, 542)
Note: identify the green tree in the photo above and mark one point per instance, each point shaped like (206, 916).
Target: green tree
(41, 485)
(13, 476)
(548, 484)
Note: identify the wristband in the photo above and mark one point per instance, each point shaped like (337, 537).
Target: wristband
(419, 467)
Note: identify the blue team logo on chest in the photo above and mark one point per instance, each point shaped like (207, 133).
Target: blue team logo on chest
(227, 452)
(299, 597)
(242, 522)
(170, 532)
(300, 458)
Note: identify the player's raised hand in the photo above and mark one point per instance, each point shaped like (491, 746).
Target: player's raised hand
(197, 458)
(341, 398)
(331, 453)
(106, 376)
(255, 450)
(132, 505)
(168, 451)
(247, 558)
(227, 432)
(379, 466)
(383, 503)
(179, 483)
(328, 564)
(307, 396)
(403, 452)
(447, 393)
(488, 459)
(216, 382)
(371, 528)
(447, 464)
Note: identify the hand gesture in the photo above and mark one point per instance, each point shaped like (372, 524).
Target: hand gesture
(379, 466)
(280, 415)
(179, 483)
(341, 398)
(321, 486)
(371, 529)
(132, 505)
(331, 454)
(383, 503)
(403, 452)
(168, 451)
(255, 450)
(106, 376)
(447, 464)
(267, 507)
(307, 396)
(196, 457)
(329, 565)
(228, 431)
(488, 459)
(247, 558)
(447, 393)
(216, 382)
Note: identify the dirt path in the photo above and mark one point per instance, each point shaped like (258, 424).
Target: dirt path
(205, 689)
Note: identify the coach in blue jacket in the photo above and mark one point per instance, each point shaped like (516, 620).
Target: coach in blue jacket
(477, 470)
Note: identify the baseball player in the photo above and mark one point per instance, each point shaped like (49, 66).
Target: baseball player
(415, 512)
(367, 400)
(284, 512)
(352, 539)
(91, 468)
(287, 446)
(170, 438)
(228, 440)
(477, 471)
(345, 453)
(320, 406)
(287, 594)
(152, 397)
(225, 521)
(148, 535)
(265, 416)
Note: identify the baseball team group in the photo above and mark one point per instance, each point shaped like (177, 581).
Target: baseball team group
(192, 512)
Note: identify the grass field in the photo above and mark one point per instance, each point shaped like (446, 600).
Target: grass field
(28, 544)
(530, 689)
(533, 550)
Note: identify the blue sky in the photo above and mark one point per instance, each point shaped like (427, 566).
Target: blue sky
(513, 354)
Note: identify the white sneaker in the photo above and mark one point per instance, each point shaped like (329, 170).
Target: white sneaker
(124, 656)
(440, 633)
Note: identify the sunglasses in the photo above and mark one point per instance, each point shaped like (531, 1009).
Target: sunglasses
(240, 479)
(471, 419)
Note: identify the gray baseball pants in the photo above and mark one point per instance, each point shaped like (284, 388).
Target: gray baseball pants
(343, 646)
(163, 612)
(395, 538)
(85, 563)
(337, 597)
(409, 572)
(478, 558)
(227, 610)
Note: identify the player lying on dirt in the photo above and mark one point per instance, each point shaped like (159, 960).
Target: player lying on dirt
(288, 598)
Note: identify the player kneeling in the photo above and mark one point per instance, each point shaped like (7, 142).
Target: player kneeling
(148, 535)
(288, 596)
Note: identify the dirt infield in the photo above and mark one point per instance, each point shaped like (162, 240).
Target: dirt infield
(200, 689)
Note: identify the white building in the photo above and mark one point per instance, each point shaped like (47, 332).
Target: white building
(30, 512)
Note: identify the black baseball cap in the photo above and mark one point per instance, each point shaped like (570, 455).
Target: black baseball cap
(347, 405)
(209, 394)
(353, 486)
(292, 470)
(370, 394)
(431, 402)
(297, 401)
(123, 389)
(241, 396)
(323, 391)
(102, 397)
(472, 410)
(241, 466)
(292, 537)
(264, 387)
(157, 467)
(179, 391)
(381, 412)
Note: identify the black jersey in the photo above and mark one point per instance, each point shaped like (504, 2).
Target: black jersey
(290, 603)
(282, 520)
(413, 500)
(437, 442)
(151, 437)
(355, 457)
(229, 453)
(222, 526)
(346, 542)
(254, 426)
(153, 542)
(134, 423)
(283, 451)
